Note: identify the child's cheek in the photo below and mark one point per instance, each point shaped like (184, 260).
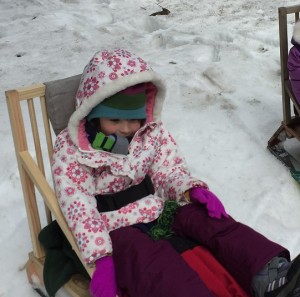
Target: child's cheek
(111, 129)
(137, 126)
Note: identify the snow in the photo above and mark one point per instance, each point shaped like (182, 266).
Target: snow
(222, 68)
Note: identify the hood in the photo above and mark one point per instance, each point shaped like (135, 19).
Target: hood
(109, 72)
(296, 34)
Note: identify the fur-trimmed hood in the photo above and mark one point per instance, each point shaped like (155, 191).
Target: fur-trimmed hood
(109, 72)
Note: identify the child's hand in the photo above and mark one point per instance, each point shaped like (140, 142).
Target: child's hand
(103, 283)
(213, 204)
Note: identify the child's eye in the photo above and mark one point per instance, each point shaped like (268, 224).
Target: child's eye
(114, 120)
(134, 121)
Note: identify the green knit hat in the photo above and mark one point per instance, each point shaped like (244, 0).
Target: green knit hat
(127, 104)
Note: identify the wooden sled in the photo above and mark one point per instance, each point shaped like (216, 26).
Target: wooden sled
(37, 113)
(290, 125)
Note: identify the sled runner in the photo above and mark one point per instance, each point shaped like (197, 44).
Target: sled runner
(290, 125)
(37, 114)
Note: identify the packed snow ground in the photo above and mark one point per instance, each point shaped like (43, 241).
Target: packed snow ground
(221, 63)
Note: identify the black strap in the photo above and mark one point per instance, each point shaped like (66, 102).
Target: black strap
(115, 201)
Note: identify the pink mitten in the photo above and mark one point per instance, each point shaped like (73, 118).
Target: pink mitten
(213, 204)
(103, 283)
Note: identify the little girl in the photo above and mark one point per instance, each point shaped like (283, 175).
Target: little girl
(115, 165)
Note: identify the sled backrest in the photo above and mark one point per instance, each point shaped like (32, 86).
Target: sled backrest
(32, 135)
(60, 101)
(285, 39)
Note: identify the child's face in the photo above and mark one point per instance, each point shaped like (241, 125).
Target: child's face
(119, 127)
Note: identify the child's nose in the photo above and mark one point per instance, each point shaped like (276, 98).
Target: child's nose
(125, 128)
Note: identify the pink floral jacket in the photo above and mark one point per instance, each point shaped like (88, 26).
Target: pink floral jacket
(81, 172)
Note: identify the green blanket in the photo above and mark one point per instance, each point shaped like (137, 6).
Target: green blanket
(61, 262)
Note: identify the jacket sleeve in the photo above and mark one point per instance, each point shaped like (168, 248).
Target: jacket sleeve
(294, 71)
(72, 182)
(169, 173)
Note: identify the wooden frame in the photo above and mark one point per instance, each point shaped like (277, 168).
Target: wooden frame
(290, 125)
(33, 179)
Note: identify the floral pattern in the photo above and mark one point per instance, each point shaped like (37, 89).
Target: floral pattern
(75, 173)
(80, 174)
(105, 67)
(91, 85)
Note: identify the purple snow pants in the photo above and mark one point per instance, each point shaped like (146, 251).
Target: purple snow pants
(150, 268)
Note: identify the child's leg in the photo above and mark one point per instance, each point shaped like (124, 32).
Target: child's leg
(240, 249)
(152, 268)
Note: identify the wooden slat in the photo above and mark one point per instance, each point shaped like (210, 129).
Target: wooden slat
(50, 199)
(35, 134)
(16, 120)
(30, 92)
(293, 130)
(32, 213)
(290, 9)
(47, 128)
(286, 106)
(37, 145)
(48, 141)
(274, 140)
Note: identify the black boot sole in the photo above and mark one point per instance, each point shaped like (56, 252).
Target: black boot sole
(290, 289)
